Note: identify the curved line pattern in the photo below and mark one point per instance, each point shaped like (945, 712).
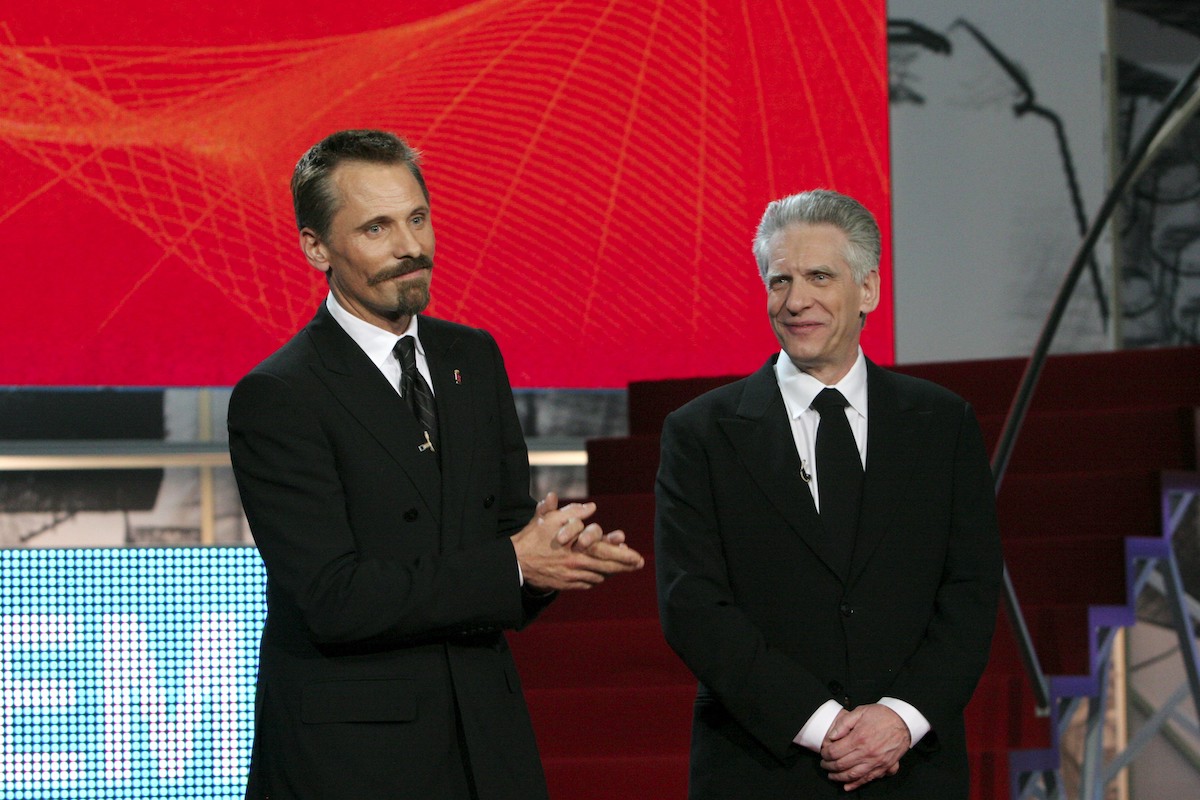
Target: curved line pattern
(596, 165)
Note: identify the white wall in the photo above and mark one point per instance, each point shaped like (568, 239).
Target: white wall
(984, 226)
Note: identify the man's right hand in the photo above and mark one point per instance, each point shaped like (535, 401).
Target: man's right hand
(864, 744)
(559, 550)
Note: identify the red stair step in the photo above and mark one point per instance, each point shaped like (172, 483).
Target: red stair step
(612, 721)
(1060, 635)
(1080, 569)
(1074, 503)
(1074, 381)
(596, 653)
(989, 775)
(622, 465)
(662, 777)
(1142, 438)
(1002, 715)
(632, 512)
(630, 595)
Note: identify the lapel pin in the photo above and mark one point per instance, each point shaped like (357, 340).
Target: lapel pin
(457, 377)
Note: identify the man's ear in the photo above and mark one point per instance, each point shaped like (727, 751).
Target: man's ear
(870, 293)
(314, 250)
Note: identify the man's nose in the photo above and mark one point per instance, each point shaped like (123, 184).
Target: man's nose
(797, 298)
(406, 244)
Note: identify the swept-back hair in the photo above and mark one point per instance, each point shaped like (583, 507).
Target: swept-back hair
(823, 207)
(312, 191)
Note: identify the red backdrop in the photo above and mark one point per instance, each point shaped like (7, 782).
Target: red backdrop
(597, 170)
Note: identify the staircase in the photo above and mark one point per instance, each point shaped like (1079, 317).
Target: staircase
(611, 703)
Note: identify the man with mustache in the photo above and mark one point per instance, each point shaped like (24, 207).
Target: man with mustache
(386, 481)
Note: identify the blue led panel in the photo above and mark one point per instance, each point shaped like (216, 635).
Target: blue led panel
(128, 673)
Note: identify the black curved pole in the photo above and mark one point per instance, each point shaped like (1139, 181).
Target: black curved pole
(1033, 370)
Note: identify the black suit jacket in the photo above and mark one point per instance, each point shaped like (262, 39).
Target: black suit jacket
(389, 581)
(750, 601)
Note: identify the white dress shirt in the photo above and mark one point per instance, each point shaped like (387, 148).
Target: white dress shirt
(379, 344)
(799, 389)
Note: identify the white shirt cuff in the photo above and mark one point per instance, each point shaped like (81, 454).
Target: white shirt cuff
(813, 733)
(918, 726)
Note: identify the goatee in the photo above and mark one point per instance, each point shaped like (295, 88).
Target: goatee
(412, 300)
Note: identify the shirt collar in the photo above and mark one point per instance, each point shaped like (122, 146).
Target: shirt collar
(376, 342)
(799, 389)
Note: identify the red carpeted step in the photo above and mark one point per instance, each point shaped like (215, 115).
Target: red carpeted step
(651, 401)
(622, 465)
(625, 596)
(1126, 439)
(1060, 636)
(1051, 528)
(1002, 715)
(610, 722)
(1004, 659)
(989, 775)
(662, 777)
(593, 653)
(1075, 503)
(1081, 569)
(632, 512)
(1073, 381)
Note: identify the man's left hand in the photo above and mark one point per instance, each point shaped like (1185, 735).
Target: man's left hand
(864, 744)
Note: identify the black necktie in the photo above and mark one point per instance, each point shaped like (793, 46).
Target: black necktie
(415, 390)
(839, 474)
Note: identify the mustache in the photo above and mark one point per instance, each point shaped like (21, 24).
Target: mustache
(403, 268)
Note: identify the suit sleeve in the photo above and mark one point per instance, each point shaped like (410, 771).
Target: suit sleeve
(516, 506)
(767, 692)
(940, 676)
(294, 499)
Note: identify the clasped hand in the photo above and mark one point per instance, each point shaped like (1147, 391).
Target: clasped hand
(864, 744)
(558, 549)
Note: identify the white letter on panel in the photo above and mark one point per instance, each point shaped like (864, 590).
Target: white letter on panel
(32, 631)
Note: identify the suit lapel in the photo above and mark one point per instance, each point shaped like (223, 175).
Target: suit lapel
(761, 434)
(894, 433)
(444, 353)
(365, 395)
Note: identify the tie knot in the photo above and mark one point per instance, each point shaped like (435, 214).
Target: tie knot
(406, 353)
(829, 400)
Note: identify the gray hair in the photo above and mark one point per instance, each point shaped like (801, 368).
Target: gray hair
(823, 207)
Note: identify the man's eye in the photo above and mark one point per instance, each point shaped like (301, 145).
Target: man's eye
(418, 220)
(375, 229)
(776, 281)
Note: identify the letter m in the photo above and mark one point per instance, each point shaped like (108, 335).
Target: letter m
(131, 684)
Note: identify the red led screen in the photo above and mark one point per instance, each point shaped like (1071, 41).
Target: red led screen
(597, 170)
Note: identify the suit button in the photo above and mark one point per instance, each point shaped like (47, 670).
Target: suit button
(835, 687)
(411, 515)
(487, 501)
(846, 609)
